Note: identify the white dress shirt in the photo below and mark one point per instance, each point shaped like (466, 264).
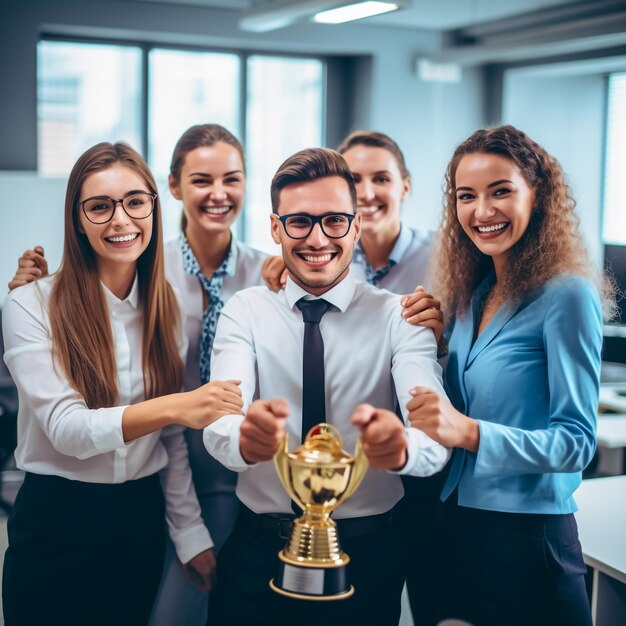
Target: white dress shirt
(410, 259)
(371, 355)
(59, 435)
(246, 273)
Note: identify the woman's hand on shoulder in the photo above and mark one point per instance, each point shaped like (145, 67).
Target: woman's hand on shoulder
(201, 570)
(31, 266)
(274, 273)
(421, 308)
(433, 414)
(205, 405)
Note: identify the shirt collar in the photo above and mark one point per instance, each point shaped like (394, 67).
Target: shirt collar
(132, 298)
(339, 296)
(229, 264)
(400, 248)
(402, 245)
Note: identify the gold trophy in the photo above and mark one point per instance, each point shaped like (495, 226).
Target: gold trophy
(318, 476)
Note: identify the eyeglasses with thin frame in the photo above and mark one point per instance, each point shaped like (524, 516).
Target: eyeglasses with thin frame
(100, 209)
(300, 225)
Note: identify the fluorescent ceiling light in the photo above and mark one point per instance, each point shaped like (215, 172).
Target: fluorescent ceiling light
(355, 11)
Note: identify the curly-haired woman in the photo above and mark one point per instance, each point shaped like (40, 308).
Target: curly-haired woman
(523, 380)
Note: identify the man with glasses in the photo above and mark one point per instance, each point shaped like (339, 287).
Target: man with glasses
(326, 348)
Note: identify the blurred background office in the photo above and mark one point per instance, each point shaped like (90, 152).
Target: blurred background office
(75, 72)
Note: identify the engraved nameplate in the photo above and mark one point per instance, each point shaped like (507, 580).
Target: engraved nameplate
(303, 580)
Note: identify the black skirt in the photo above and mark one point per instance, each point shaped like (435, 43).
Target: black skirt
(83, 553)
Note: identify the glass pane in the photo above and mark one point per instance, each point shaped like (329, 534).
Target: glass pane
(86, 93)
(284, 115)
(614, 230)
(187, 88)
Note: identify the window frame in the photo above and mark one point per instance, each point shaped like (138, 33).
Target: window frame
(243, 55)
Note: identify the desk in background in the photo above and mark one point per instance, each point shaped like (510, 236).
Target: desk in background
(611, 436)
(602, 527)
(613, 397)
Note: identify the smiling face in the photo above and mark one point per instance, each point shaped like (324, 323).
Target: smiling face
(119, 242)
(493, 203)
(211, 187)
(318, 262)
(380, 187)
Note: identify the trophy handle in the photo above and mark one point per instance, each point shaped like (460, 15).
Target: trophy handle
(358, 472)
(281, 461)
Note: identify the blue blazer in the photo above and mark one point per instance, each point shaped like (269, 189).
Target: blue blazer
(531, 379)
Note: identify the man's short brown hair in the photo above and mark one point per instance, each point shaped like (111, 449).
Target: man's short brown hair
(309, 165)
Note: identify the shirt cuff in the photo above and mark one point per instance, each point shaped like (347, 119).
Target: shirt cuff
(425, 456)
(191, 541)
(222, 438)
(105, 430)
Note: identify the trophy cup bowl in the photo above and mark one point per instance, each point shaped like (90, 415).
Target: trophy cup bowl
(318, 476)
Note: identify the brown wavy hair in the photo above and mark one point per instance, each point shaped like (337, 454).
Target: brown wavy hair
(81, 329)
(199, 136)
(551, 245)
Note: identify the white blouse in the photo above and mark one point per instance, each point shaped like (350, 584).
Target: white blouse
(59, 435)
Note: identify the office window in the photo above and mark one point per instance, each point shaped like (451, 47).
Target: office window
(86, 93)
(284, 115)
(91, 92)
(614, 227)
(187, 88)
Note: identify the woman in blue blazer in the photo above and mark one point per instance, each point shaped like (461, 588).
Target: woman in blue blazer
(522, 379)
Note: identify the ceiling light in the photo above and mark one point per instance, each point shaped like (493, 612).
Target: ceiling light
(268, 15)
(355, 11)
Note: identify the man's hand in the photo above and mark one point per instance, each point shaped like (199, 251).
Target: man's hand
(274, 273)
(420, 308)
(30, 266)
(383, 436)
(201, 570)
(263, 429)
(434, 415)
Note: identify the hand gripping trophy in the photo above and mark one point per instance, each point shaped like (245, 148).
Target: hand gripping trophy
(318, 476)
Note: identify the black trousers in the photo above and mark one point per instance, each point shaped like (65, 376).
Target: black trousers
(419, 523)
(514, 569)
(83, 553)
(249, 559)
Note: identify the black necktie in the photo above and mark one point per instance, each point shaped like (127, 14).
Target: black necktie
(313, 397)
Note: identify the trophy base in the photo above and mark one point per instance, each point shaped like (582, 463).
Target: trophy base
(312, 583)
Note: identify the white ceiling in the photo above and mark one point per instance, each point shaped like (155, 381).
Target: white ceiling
(428, 14)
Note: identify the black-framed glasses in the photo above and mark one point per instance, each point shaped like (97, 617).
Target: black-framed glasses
(100, 209)
(300, 225)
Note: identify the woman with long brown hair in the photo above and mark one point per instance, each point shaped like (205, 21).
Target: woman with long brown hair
(207, 265)
(523, 381)
(94, 351)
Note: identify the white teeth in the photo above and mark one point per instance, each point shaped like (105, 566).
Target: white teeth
(123, 238)
(216, 210)
(489, 229)
(368, 210)
(324, 258)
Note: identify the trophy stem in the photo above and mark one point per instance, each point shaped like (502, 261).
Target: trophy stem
(312, 542)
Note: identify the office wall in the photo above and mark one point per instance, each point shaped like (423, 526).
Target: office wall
(566, 115)
(32, 213)
(427, 118)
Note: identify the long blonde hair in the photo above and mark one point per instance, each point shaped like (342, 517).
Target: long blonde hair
(81, 329)
(551, 246)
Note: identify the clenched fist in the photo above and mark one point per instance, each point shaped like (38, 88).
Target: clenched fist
(383, 436)
(263, 429)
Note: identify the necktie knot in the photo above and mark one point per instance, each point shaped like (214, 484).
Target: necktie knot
(313, 310)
